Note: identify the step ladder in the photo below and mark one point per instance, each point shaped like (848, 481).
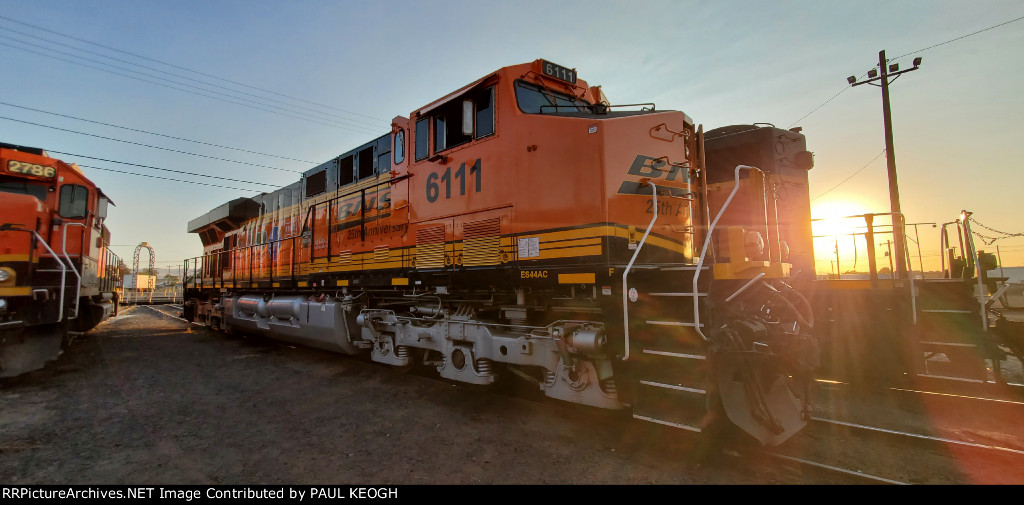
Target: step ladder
(68, 286)
(671, 375)
(950, 321)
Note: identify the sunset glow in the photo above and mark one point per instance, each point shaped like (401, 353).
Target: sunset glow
(838, 226)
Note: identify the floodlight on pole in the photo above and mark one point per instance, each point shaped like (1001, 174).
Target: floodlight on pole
(889, 73)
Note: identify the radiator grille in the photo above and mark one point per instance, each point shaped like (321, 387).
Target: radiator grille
(430, 247)
(481, 244)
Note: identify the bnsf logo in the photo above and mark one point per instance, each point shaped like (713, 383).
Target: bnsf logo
(653, 168)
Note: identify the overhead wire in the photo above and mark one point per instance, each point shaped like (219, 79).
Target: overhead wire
(893, 59)
(958, 38)
(900, 56)
(153, 133)
(146, 145)
(35, 38)
(312, 120)
(168, 169)
(165, 178)
(850, 177)
(12, 20)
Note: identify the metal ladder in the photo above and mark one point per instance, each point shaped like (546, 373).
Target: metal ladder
(64, 268)
(951, 316)
(671, 374)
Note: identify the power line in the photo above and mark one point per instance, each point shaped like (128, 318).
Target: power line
(165, 178)
(850, 177)
(182, 68)
(169, 170)
(900, 56)
(152, 133)
(960, 37)
(36, 38)
(312, 120)
(820, 106)
(147, 145)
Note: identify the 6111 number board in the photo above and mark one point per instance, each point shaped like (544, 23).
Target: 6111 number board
(559, 72)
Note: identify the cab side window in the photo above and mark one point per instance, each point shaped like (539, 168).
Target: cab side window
(455, 122)
(484, 104)
(422, 138)
(399, 146)
(463, 119)
(74, 201)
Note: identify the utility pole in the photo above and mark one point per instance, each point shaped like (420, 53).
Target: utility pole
(888, 252)
(890, 71)
(1000, 259)
(838, 273)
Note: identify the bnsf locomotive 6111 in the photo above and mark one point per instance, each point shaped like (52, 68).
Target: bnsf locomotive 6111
(56, 273)
(523, 228)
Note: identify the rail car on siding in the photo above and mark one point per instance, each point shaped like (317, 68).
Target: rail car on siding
(524, 228)
(899, 328)
(893, 328)
(57, 275)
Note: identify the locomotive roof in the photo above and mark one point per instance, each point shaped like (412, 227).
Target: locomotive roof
(235, 212)
(24, 149)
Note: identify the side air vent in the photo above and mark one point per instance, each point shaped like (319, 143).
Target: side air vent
(430, 247)
(481, 242)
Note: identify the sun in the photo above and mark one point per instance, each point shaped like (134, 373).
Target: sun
(837, 226)
(835, 217)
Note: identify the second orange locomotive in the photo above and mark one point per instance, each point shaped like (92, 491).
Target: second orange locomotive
(523, 227)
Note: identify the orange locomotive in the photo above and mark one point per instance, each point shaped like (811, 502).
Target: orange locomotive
(57, 276)
(522, 228)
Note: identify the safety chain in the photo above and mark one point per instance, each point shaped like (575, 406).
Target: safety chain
(990, 240)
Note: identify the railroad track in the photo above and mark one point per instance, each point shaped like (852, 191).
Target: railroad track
(986, 416)
(847, 452)
(168, 310)
(892, 436)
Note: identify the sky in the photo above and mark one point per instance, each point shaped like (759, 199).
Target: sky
(258, 90)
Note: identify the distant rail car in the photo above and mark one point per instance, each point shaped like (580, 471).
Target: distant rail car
(883, 328)
(524, 228)
(893, 329)
(57, 275)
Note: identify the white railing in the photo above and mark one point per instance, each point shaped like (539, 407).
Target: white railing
(78, 285)
(707, 244)
(625, 273)
(63, 273)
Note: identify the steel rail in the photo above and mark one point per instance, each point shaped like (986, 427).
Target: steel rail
(917, 436)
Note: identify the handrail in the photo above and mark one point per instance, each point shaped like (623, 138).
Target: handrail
(63, 267)
(250, 252)
(910, 267)
(707, 243)
(744, 287)
(981, 297)
(64, 250)
(311, 214)
(625, 273)
(307, 223)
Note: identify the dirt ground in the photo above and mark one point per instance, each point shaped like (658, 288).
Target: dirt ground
(147, 399)
(144, 399)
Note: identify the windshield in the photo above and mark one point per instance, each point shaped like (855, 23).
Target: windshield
(24, 188)
(536, 100)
